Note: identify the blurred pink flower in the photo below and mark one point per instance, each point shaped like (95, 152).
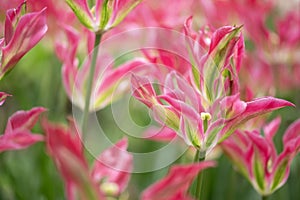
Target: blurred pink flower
(176, 184)
(109, 175)
(113, 168)
(220, 12)
(17, 134)
(110, 82)
(153, 13)
(21, 34)
(256, 158)
(65, 147)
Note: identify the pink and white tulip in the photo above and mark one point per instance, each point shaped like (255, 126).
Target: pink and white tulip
(204, 107)
(104, 15)
(256, 158)
(109, 175)
(21, 34)
(110, 82)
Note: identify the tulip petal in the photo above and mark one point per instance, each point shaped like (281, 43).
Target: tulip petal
(159, 134)
(292, 133)
(3, 97)
(17, 134)
(19, 139)
(176, 183)
(23, 120)
(254, 108)
(12, 17)
(143, 90)
(114, 165)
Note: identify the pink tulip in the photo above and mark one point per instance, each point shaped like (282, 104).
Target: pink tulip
(176, 184)
(109, 175)
(199, 124)
(110, 83)
(105, 14)
(203, 106)
(65, 147)
(214, 68)
(21, 34)
(255, 155)
(17, 134)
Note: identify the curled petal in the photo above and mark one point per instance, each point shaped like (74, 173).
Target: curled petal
(254, 108)
(23, 120)
(17, 134)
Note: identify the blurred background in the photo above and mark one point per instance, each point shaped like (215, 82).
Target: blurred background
(36, 81)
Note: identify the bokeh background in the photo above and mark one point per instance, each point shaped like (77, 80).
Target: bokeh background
(31, 175)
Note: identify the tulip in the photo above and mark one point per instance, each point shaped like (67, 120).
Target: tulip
(21, 34)
(109, 84)
(109, 174)
(256, 158)
(180, 108)
(17, 134)
(104, 15)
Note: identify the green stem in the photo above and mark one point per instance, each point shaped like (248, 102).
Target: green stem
(264, 197)
(200, 176)
(90, 84)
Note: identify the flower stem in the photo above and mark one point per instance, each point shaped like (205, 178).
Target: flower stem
(200, 156)
(199, 181)
(90, 84)
(264, 197)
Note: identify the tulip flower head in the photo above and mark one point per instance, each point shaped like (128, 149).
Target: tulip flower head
(109, 174)
(255, 155)
(109, 82)
(21, 34)
(203, 106)
(104, 15)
